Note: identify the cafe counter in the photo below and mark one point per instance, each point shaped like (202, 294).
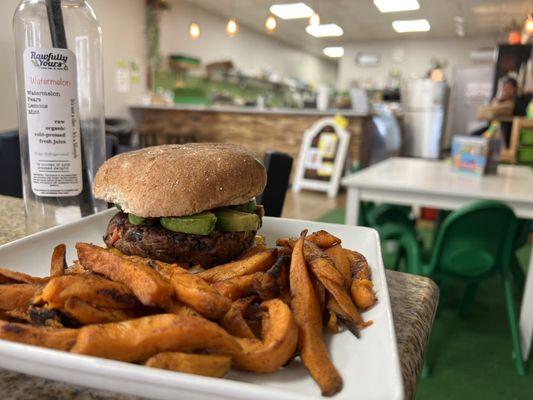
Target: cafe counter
(258, 129)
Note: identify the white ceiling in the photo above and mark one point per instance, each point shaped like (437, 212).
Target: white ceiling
(362, 21)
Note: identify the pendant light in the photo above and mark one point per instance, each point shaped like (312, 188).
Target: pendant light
(194, 30)
(232, 27)
(271, 23)
(314, 20)
(529, 24)
(194, 27)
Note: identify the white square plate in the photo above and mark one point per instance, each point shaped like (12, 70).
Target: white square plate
(369, 366)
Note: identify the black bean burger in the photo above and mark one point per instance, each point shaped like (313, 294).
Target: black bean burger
(192, 203)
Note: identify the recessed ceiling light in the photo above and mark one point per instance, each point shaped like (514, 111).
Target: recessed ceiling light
(327, 30)
(386, 6)
(291, 10)
(413, 25)
(333, 52)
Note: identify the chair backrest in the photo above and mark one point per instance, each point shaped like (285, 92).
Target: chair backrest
(278, 166)
(11, 175)
(475, 240)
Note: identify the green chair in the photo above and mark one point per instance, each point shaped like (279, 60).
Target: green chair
(391, 221)
(473, 243)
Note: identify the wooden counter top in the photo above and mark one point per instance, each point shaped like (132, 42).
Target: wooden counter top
(249, 110)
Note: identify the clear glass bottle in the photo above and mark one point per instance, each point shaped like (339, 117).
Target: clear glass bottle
(60, 109)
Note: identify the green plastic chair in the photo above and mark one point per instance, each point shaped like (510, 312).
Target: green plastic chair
(391, 222)
(473, 243)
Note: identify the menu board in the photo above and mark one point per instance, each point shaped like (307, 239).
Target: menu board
(322, 157)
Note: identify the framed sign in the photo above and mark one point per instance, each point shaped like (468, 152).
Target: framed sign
(322, 157)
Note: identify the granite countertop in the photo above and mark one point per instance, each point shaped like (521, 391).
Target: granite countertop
(413, 299)
(249, 110)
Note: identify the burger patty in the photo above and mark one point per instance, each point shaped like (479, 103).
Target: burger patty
(155, 241)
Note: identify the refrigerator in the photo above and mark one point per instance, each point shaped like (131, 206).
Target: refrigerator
(472, 87)
(424, 105)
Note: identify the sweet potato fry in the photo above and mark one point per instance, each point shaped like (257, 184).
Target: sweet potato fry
(148, 285)
(178, 308)
(51, 317)
(17, 296)
(59, 339)
(279, 340)
(333, 325)
(86, 313)
(199, 295)
(308, 316)
(341, 262)
(234, 322)
(239, 286)
(215, 365)
(139, 339)
(165, 269)
(361, 288)
(89, 287)
(8, 276)
(323, 269)
(362, 294)
(275, 281)
(76, 268)
(257, 262)
(358, 265)
(58, 263)
(323, 239)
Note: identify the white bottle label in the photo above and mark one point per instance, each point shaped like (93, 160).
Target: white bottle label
(53, 122)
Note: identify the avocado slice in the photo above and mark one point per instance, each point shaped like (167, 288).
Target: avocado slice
(136, 220)
(229, 220)
(249, 207)
(198, 224)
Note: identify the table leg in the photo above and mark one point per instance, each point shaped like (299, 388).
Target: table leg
(352, 206)
(526, 313)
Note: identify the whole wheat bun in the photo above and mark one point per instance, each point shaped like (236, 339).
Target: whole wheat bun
(178, 180)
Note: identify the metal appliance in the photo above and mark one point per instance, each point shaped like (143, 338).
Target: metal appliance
(472, 87)
(424, 104)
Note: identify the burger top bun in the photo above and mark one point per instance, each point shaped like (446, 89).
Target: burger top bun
(178, 180)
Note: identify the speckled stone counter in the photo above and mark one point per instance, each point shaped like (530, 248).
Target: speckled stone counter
(413, 298)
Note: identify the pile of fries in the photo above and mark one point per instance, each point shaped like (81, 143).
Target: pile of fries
(255, 314)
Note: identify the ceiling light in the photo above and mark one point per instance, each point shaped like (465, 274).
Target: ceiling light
(232, 27)
(314, 20)
(333, 52)
(327, 30)
(386, 6)
(271, 23)
(194, 30)
(291, 10)
(413, 25)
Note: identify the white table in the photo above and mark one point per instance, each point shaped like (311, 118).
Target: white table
(434, 184)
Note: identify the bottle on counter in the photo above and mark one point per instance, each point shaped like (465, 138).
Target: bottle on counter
(58, 46)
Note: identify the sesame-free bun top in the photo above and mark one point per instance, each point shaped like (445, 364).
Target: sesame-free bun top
(177, 180)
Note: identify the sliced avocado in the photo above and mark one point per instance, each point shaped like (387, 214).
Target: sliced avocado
(198, 224)
(229, 220)
(249, 207)
(135, 220)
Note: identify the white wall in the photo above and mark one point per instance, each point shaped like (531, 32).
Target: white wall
(417, 54)
(248, 50)
(122, 24)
